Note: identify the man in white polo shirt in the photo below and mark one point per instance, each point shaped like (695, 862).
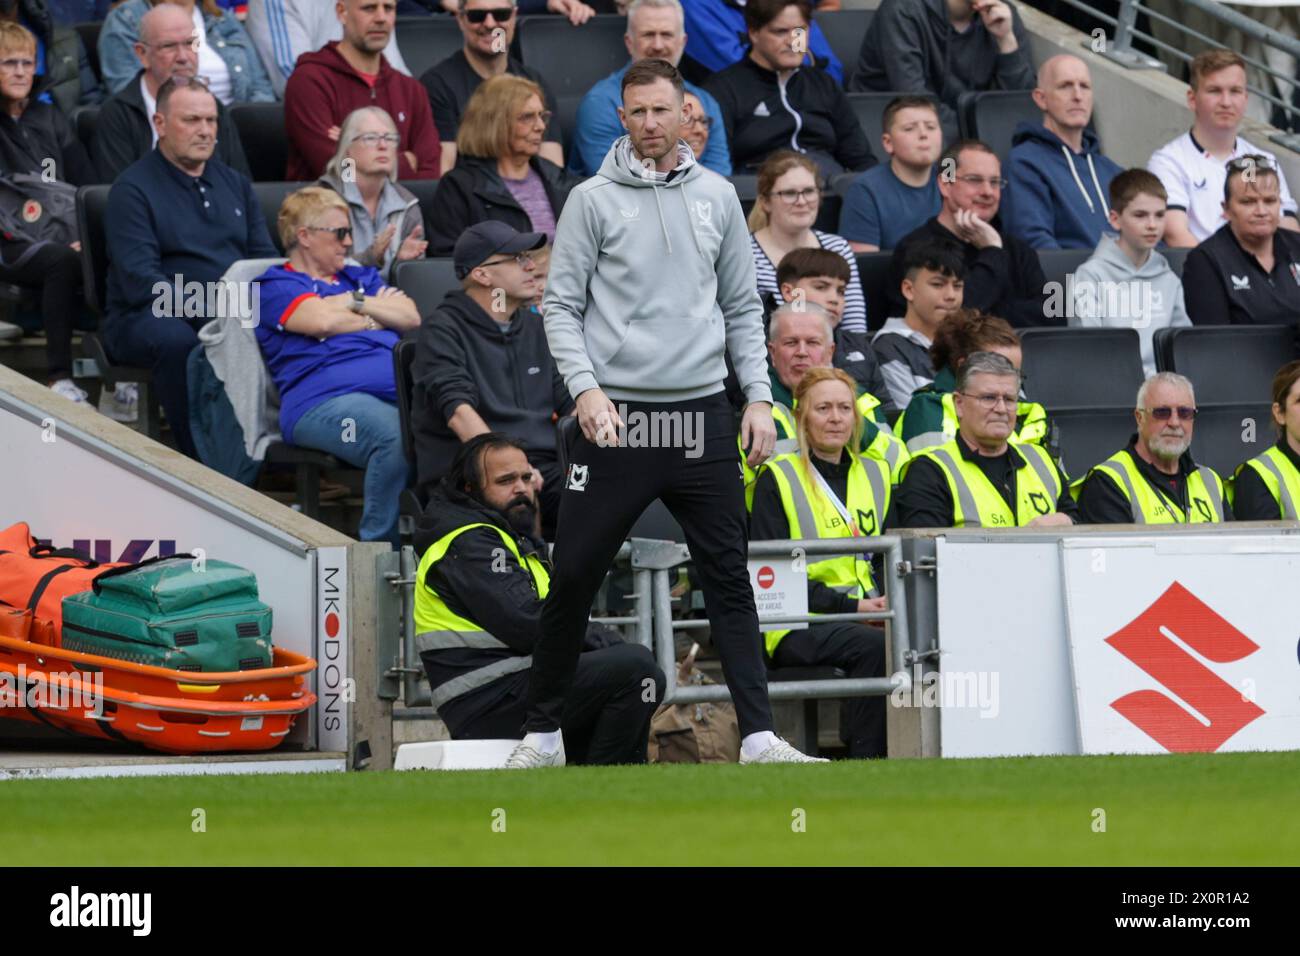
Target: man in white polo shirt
(1194, 166)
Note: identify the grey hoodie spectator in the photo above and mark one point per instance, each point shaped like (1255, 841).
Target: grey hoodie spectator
(364, 172)
(283, 30)
(945, 48)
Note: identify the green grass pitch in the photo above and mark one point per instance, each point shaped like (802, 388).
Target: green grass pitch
(1220, 809)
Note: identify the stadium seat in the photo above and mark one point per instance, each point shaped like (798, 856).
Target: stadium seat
(844, 30)
(1176, 258)
(1084, 437)
(992, 116)
(92, 203)
(1228, 434)
(870, 110)
(1160, 345)
(573, 58)
(426, 281)
(828, 215)
(1058, 263)
(426, 41)
(269, 196)
(307, 465)
(876, 270)
(1081, 368)
(85, 119)
(403, 359)
(424, 190)
(89, 34)
(265, 142)
(566, 115)
(1256, 353)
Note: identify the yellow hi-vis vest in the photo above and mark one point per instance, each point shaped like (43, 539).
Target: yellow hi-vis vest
(1281, 479)
(1204, 493)
(1030, 416)
(811, 515)
(977, 504)
(885, 447)
(439, 628)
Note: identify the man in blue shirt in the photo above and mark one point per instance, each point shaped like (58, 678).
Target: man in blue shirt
(892, 199)
(655, 31)
(174, 218)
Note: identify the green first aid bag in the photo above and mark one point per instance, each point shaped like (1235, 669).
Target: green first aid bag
(165, 613)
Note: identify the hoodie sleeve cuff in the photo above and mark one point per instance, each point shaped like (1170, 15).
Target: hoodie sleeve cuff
(582, 382)
(758, 392)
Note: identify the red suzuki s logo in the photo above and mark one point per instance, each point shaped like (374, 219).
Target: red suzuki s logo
(1144, 641)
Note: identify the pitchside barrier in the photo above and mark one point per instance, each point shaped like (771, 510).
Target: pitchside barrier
(82, 480)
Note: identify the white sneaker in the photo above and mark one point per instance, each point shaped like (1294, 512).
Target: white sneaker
(526, 756)
(122, 404)
(781, 752)
(68, 389)
(10, 332)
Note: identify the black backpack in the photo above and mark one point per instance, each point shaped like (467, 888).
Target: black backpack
(36, 210)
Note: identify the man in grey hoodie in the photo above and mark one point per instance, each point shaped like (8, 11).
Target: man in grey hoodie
(651, 284)
(1126, 283)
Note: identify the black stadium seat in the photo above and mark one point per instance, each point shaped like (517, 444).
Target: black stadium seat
(828, 215)
(1058, 263)
(92, 206)
(1084, 437)
(85, 120)
(993, 116)
(1228, 434)
(1230, 363)
(89, 34)
(426, 281)
(269, 197)
(566, 116)
(1176, 258)
(1081, 368)
(573, 58)
(870, 110)
(844, 30)
(876, 270)
(424, 190)
(403, 360)
(427, 41)
(265, 142)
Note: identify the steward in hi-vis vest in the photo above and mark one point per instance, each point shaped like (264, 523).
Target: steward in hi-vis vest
(931, 417)
(482, 580)
(1276, 475)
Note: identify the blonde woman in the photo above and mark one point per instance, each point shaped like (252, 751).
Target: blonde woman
(499, 174)
(387, 225)
(824, 490)
(789, 197)
(327, 331)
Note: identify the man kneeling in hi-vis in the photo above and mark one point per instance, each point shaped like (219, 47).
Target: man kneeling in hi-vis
(981, 479)
(478, 615)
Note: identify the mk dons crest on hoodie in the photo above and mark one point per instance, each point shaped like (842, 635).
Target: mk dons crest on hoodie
(651, 282)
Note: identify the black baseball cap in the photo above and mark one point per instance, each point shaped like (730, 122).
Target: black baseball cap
(483, 240)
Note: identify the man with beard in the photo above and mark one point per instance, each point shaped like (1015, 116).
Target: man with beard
(1154, 480)
(478, 607)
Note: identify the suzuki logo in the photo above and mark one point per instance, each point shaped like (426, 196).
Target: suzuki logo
(1207, 710)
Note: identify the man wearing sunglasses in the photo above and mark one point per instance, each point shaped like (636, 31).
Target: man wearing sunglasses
(982, 479)
(326, 86)
(1154, 480)
(488, 27)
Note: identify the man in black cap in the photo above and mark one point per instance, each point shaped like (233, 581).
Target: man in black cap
(482, 363)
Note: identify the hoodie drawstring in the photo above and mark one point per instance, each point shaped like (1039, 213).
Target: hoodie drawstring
(654, 188)
(694, 235)
(1105, 209)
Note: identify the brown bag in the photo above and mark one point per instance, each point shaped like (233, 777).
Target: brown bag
(694, 733)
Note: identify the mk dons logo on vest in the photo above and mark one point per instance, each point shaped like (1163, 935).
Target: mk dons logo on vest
(1201, 711)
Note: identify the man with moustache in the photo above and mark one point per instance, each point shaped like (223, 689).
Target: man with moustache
(481, 583)
(1154, 480)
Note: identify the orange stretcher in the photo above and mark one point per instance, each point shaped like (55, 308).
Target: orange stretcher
(178, 712)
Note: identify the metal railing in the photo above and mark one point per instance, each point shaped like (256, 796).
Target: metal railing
(1120, 48)
(652, 624)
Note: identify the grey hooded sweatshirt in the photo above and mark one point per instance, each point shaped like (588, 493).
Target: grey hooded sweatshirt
(651, 283)
(1109, 291)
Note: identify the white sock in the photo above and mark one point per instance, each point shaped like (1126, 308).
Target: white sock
(755, 744)
(544, 743)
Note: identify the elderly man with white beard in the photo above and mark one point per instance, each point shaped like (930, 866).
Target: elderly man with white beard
(1154, 479)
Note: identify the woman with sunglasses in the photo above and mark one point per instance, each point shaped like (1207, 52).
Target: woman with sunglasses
(1268, 486)
(789, 197)
(499, 173)
(327, 331)
(1153, 479)
(387, 224)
